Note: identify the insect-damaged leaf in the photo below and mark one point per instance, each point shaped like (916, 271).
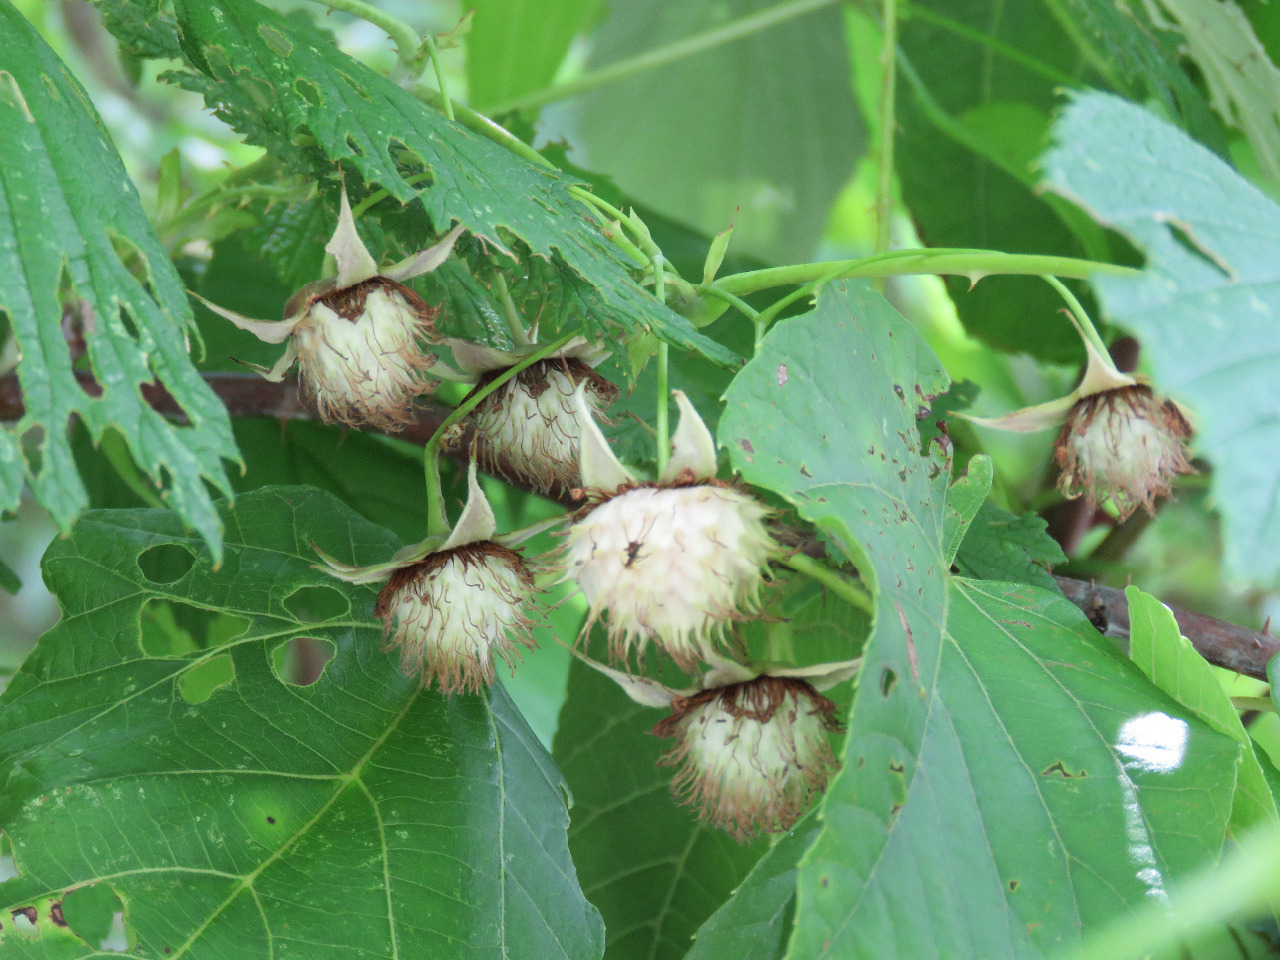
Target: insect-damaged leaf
(80, 267)
(156, 741)
(284, 85)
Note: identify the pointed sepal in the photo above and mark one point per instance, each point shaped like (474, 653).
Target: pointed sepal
(268, 331)
(355, 265)
(692, 447)
(600, 469)
(477, 521)
(425, 261)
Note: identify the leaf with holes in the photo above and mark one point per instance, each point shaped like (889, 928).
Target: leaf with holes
(80, 262)
(280, 82)
(170, 756)
(995, 735)
(1207, 305)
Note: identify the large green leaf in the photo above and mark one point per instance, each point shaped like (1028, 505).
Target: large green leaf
(78, 259)
(1207, 305)
(282, 84)
(361, 815)
(652, 869)
(995, 736)
(765, 125)
(515, 46)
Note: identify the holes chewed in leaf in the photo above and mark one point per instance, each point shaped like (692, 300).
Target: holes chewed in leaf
(888, 680)
(170, 628)
(315, 604)
(277, 41)
(90, 913)
(203, 680)
(308, 91)
(300, 662)
(166, 562)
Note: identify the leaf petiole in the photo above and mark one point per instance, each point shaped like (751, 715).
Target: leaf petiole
(852, 592)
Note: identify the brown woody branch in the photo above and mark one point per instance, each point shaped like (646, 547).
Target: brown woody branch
(248, 395)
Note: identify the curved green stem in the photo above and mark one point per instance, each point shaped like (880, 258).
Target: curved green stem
(479, 123)
(117, 454)
(1012, 54)
(972, 263)
(401, 33)
(1082, 318)
(519, 336)
(679, 50)
(429, 43)
(711, 290)
(661, 422)
(379, 195)
(852, 592)
(888, 127)
(430, 454)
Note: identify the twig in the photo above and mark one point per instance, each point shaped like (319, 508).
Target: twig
(248, 395)
(1223, 644)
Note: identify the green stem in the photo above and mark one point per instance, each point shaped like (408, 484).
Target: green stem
(379, 195)
(519, 336)
(661, 422)
(429, 43)
(852, 592)
(711, 290)
(117, 454)
(888, 128)
(479, 123)
(1081, 317)
(926, 15)
(430, 454)
(679, 50)
(1254, 703)
(401, 33)
(972, 263)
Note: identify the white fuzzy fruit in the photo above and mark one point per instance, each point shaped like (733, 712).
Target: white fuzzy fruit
(1125, 444)
(457, 609)
(360, 356)
(531, 424)
(671, 564)
(750, 756)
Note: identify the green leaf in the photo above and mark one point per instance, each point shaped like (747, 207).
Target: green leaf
(651, 867)
(142, 28)
(516, 46)
(720, 126)
(74, 238)
(279, 82)
(1207, 305)
(987, 714)
(755, 923)
(1145, 56)
(1000, 545)
(1243, 83)
(972, 124)
(964, 499)
(1157, 646)
(360, 814)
